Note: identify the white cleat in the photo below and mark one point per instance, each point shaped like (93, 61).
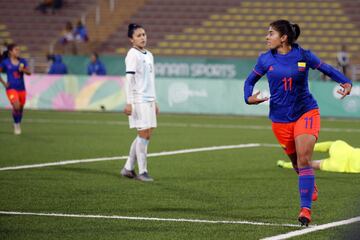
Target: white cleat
(144, 177)
(17, 129)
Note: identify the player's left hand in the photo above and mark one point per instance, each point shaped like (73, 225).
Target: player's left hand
(253, 99)
(21, 67)
(157, 110)
(346, 89)
(128, 109)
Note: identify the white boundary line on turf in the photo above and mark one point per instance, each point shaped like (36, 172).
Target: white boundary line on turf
(192, 125)
(313, 229)
(203, 149)
(149, 219)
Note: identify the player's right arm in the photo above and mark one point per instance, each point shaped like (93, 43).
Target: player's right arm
(130, 62)
(129, 100)
(254, 76)
(5, 84)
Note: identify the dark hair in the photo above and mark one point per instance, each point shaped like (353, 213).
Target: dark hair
(96, 55)
(131, 29)
(69, 26)
(50, 57)
(284, 27)
(9, 48)
(79, 23)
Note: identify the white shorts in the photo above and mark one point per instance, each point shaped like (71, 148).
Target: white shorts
(143, 116)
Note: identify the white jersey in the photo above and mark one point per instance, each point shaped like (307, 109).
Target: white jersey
(142, 86)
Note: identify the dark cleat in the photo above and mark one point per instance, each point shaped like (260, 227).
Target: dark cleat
(126, 173)
(304, 221)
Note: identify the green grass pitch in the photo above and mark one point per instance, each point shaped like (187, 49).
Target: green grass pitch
(236, 184)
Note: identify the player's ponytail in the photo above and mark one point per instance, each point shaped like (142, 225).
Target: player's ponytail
(9, 48)
(297, 31)
(284, 27)
(131, 29)
(4, 55)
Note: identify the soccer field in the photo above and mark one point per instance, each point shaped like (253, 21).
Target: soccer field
(231, 191)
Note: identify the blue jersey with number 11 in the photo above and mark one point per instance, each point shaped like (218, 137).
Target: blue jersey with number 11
(288, 81)
(15, 78)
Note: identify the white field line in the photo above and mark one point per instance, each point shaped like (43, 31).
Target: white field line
(187, 125)
(150, 219)
(167, 153)
(314, 229)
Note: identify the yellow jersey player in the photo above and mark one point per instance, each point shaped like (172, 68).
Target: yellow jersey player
(342, 158)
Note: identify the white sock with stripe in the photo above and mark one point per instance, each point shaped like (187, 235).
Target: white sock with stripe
(141, 154)
(130, 162)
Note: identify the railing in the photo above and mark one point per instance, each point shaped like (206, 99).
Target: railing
(112, 4)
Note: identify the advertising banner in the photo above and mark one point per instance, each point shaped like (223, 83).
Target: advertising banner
(177, 67)
(174, 95)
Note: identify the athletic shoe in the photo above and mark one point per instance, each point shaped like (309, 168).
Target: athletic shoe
(305, 216)
(17, 129)
(145, 177)
(280, 163)
(126, 173)
(315, 193)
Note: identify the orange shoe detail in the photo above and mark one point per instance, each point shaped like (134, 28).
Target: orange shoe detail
(315, 193)
(305, 216)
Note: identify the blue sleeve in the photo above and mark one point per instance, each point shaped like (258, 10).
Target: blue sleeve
(333, 73)
(65, 69)
(258, 71)
(249, 85)
(103, 69)
(260, 68)
(85, 34)
(2, 67)
(312, 60)
(315, 63)
(89, 72)
(51, 70)
(23, 61)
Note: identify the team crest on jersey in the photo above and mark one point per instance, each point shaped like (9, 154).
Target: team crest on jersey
(301, 66)
(271, 68)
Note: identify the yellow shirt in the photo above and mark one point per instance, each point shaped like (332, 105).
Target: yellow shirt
(343, 157)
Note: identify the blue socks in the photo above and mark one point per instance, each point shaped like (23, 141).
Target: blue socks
(17, 116)
(306, 186)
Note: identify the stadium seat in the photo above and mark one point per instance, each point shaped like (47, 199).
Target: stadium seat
(232, 28)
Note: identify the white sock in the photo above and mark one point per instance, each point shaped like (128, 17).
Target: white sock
(141, 154)
(130, 162)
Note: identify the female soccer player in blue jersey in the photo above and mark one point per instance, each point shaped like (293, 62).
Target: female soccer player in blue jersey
(293, 110)
(15, 68)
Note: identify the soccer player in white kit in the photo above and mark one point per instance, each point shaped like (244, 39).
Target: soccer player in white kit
(141, 104)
